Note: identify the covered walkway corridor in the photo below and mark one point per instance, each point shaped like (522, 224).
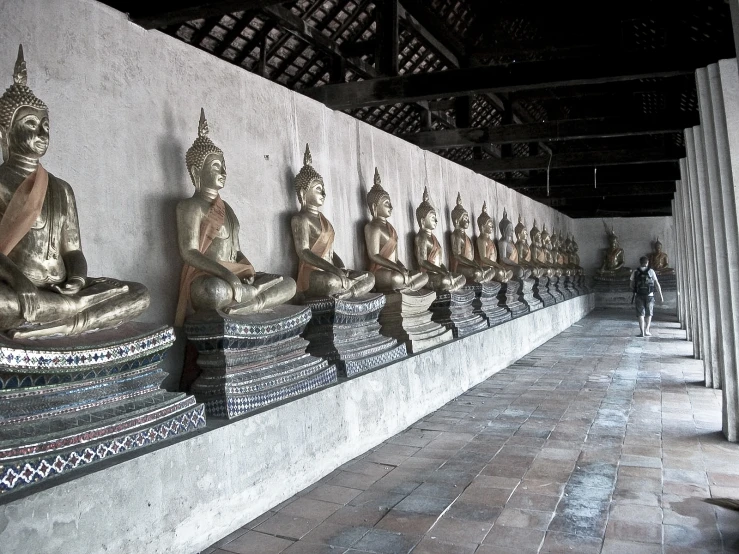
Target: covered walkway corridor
(598, 441)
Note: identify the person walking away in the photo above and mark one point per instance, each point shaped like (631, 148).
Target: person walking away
(643, 283)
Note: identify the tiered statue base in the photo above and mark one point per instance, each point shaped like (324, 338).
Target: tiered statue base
(455, 311)
(667, 281)
(555, 288)
(617, 285)
(526, 293)
(581, 284)
(486, 303)
(67, 403)
(568, 287)
(250, 361)
(509, 298)
(347, 333)
(407, 317)
(541, 291)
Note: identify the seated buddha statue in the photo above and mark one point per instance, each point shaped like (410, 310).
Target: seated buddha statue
(507, 252)
(538, 252)
(44, 286)
(561, 257)
(382, 246)
(428, 250)
(613, 260)
(320, 270)
(486, 251)
(463, 252)
(546, 241)
(524, 252)
(573, 260)
(216, 274)
(658, 260)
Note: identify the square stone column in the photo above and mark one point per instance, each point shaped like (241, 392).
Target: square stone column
(678, 260)
(691, 262)
(682, 262)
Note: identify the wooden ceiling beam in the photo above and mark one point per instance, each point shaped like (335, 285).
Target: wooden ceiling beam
(635, 189)
(577, 159)
(171, 12)
(567, 129)
(482, 79)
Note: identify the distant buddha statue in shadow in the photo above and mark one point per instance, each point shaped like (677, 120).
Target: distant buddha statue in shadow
(658, 260)
(382, 246)
(612, 267)
(507, 252)
(217, 275)
(487, 252)
(463, 251)
(320, 270)
(428, 250)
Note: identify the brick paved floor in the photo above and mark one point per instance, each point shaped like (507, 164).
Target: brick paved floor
(598, 441)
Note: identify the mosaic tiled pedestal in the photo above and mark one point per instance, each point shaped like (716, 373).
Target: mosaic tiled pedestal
(347, 333)
(250, 361)
(455, 311)
(541, 291)
(407, 317)
(509, 298)
(67, 403)
(486, 303)
(526, 294)
(555, 289)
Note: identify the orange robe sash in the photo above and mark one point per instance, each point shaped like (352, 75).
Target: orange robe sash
(209, 227)
(388, 249)
(467, 252)
(23, 209)
(322, 246)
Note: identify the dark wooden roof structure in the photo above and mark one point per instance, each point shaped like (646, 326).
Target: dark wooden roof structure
(542, 96)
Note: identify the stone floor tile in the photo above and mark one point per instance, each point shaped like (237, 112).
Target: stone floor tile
(335, 535)
(333, 493)
(310, 548)
(634, 531)
(362, 516)
(526, 540)
(531, 501)
(288, 526)
(386, 542)
(561, 542)
(692, 537)
(527, 519)
(432, 545)
(406, 522)
(310, 508)
(456, 530)
(611, 546)
(253, 542)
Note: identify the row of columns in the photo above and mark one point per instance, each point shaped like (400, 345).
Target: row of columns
(705, 211)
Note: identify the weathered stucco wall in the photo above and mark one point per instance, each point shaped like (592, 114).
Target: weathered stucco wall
(124, 106)
(635, 234)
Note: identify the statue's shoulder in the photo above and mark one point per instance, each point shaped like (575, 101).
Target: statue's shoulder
(62, 186)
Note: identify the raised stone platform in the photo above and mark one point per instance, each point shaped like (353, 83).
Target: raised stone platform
(455, 311)
(526, 292)
(201, 489)
(509, 298)
(541, 291)
(250, 361)
(622, 300)
(407, 317)
(486, 303)
(68, 403)
(347, 333)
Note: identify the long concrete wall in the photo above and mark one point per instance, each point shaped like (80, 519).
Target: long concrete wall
(635, 234)
(182, 498)
(124, 106)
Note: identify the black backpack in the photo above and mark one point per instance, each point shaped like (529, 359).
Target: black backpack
(643, 283)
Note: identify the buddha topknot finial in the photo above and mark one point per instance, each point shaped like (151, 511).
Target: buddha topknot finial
(306, 175)
(484, 217)
(458, 210)
(376, 193)
(18, 94)
(200, 149)
(425, 207)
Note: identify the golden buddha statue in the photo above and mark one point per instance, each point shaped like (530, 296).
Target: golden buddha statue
(573, 260)
(612, 267)
(560, 256)
(487, 252)
(507, 252)
(658, 260)
(44, 288)
(538, 252)
(216, 274)
(320, 270)
(463, 252)
(524, 251)
(546, 241)
(382, 246)
(428, 250)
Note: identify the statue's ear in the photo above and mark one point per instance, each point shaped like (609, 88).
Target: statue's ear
(4, 144)
(194, 175)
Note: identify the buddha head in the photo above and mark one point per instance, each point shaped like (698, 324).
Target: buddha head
(485, 223)
(460, 217)
(425, 213)
(24, 119)
(658, 246)
(506, 227)
(204, 160)
(535, 235)
(521, 233)
(309, 183)
(378, 199)
(575, 247)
